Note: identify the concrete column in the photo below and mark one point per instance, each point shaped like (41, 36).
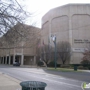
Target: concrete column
(9, 59)
(22, 59)
(14, 56)
(34, 60)
(70, 30)
(2, 60)
(22, 56)
(6, 60)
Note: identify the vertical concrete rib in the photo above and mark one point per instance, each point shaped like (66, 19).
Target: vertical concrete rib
(70, 27)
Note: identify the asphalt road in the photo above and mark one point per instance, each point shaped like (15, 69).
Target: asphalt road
(54, 82)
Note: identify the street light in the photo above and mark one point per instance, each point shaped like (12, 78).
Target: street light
(54, 40)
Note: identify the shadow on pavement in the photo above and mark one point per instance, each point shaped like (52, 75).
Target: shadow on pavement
(81, 76)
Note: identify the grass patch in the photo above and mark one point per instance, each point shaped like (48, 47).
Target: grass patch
(63, 70)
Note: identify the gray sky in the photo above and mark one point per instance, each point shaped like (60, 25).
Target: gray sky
(40, 7)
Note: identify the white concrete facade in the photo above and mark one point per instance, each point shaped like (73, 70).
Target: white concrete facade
(70, 23)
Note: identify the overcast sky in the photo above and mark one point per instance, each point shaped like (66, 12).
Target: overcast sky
(40, 7)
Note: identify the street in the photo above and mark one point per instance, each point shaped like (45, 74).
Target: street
(54, 82)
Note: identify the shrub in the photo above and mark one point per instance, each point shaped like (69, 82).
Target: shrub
(52, 64)
(40, 63)
(80, 67)
(71, 65)
(85, 63)
(88, 66)
(65, 66)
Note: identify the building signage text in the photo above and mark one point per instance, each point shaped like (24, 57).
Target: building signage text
(81, 41)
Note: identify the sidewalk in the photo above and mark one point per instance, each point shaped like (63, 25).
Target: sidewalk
(9, 83)
(85, 71)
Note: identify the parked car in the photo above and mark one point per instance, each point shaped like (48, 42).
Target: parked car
(16, 64)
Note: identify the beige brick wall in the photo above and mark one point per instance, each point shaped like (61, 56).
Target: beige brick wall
(27, 44)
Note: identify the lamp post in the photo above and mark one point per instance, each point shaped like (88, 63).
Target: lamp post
(54, 40)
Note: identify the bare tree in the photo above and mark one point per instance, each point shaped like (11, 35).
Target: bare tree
(45, 53)
(38, 50)
(86, 55)
(11, 12)
(86, 58)
(64, 51)
(12, 16)
(12, 27)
